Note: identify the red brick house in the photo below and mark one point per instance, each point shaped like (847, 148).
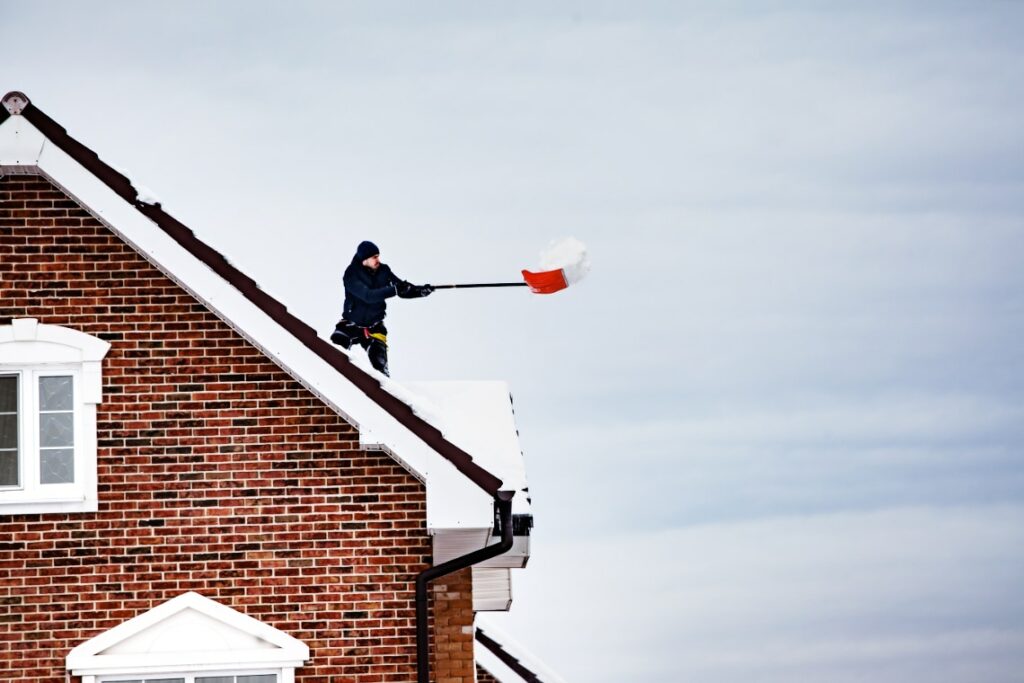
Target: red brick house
(195, 487)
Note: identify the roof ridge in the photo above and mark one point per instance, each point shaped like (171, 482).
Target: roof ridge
(277, 311)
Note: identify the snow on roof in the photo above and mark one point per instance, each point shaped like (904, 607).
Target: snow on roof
(478, 416)
(507, 660)
(459, 489)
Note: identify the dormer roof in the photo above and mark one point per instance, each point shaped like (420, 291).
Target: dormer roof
(189, 632)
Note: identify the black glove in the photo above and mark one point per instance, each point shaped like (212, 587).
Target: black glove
(425, 290)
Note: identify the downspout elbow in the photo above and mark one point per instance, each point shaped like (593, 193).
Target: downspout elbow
(503, 505)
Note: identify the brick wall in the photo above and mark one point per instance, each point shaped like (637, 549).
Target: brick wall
(453, 628)
(484, 676)
(218, 473)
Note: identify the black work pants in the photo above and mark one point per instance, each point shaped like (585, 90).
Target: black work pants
(373, 338)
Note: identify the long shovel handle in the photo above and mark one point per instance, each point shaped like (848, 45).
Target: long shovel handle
(485, 284)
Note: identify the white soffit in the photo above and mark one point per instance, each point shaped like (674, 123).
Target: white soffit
(453, 501)
(451, 543)
(189, 632)
(492, 589)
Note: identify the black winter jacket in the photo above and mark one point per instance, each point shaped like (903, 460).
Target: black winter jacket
(367, 291)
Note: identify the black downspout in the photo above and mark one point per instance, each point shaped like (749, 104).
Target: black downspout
(503, 504)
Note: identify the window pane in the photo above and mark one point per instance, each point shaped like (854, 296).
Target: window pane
(8, 431)
(57, 466)
(263, 678)
(165, 680)
(215, 679)
(9, 394)
(55, 393)
(56, 430)
(8, 468)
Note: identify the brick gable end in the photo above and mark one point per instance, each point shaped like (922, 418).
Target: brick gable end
(218, 473)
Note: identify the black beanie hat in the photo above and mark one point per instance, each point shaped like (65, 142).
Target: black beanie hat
(365, 250)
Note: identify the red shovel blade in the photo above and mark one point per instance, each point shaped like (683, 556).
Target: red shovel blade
(545, 282)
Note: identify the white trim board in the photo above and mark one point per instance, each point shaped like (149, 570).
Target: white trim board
(187, 633)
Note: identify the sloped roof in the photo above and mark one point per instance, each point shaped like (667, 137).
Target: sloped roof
(516, 664)
(189, 631)
(16, 103)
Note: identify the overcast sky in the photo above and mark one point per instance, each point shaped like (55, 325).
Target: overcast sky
(777, 434)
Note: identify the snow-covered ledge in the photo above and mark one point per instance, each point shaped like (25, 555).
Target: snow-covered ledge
(185, 636)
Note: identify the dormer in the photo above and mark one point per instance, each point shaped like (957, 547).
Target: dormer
(189, 639)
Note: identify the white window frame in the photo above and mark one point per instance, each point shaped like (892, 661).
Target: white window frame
(31, 351)
(190, 677)
(29, 453)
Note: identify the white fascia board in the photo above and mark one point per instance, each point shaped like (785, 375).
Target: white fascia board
(199, 661)
(454, 502)
(89, 656)
(516, 557)
(22, 144)
(451, 543)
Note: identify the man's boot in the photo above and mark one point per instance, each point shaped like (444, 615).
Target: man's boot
(378, 353)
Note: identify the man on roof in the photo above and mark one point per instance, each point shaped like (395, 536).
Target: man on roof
(368, 285)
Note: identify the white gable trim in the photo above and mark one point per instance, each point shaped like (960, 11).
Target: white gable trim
(90, 658)
(23, 148)
(498, 668)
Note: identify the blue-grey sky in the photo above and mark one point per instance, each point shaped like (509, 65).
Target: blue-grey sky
(777, 434)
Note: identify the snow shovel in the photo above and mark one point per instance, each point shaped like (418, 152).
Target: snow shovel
(544, 282)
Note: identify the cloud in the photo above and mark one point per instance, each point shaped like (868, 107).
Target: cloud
(826, 454)
(806, 296)
(894, 595)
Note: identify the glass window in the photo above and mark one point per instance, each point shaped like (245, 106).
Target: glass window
(9, 430)
(56, 430)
